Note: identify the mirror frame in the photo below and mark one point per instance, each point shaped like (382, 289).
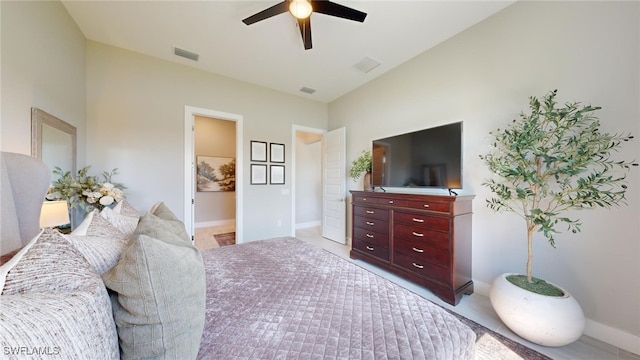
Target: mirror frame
(40, 118)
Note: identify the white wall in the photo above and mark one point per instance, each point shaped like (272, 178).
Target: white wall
(135, 121)
(43, 66)
(483, 76)
(214, 137)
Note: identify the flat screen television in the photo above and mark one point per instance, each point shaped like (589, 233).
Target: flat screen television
(429, 158)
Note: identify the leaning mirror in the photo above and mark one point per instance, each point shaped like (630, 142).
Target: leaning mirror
(53, 141)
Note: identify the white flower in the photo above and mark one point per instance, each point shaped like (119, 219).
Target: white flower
(96, 194)
(107, 186)
(106, 200)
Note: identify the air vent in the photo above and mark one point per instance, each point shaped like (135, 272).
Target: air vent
(186, 54)
(367, 64)
(307, 90)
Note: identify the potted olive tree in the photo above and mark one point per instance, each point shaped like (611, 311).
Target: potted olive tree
(362, 165)
(552, 160)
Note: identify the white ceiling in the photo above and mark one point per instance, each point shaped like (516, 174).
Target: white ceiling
(270, 53)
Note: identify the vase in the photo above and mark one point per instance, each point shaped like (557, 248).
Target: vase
(541, 319)
(367, 181)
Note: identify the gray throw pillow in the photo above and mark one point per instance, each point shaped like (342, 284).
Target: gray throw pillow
(166, 230)
(160, 304)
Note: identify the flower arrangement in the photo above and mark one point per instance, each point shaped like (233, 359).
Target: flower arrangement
(85, 191)
(360, 165)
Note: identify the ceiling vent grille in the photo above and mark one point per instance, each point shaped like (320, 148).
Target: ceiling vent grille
(367, 64)
(307, 90)
(186, 54)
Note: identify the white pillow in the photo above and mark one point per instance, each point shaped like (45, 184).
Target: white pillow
(84, 225)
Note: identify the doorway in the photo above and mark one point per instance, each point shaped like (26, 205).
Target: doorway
(319, 198)
(214, 207)
(307, 199)
(190, 182)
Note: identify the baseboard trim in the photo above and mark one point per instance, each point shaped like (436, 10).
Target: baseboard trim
(594, 329)
(214, 223)
(307, 224)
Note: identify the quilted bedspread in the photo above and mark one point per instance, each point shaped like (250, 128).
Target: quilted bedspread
(285, 299)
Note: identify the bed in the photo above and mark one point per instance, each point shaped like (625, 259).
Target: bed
(270, 299)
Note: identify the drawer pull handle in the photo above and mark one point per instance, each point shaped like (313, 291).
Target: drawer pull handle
(370, 223)
(418, 250)
(417, 234)
(364, 199)
(369, 236)
(426, 205)
(390, 201)
(418, 220)
(370, 211)
(370, 248)
(418, 266)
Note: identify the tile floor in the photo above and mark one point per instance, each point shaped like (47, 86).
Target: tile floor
(478, 308)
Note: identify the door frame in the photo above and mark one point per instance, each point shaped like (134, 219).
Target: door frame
(189, 165)
(295, 128)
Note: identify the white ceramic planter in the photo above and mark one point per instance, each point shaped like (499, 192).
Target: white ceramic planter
(544, 320)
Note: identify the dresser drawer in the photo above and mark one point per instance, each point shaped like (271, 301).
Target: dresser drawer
(434, 239)
(430, 205)
(376, 250)
(422, 253)
(371, 212)
(380, 226)
(371, 236)
(422, 221)
(360, 199)
(393, 202)
(430, 270)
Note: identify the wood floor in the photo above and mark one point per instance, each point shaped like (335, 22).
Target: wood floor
(478, 308)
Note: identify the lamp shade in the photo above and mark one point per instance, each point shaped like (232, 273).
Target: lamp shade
(54, 213)
(301, 9)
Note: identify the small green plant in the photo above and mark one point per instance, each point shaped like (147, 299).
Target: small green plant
(553, 160)
(360, 165)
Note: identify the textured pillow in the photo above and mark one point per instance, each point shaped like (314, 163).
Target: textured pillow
(160, 304)
(166, 230)
(124, 208)
(96, 225)
(162, 211)
(102, 253)
(54, 302)
(126, 224)
(84, 225)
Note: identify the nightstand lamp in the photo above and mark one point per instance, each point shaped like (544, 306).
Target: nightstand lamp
(54, 213)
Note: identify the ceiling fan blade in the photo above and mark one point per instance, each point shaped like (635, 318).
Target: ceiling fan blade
(267, 13)
(341, 11)
(305, 31)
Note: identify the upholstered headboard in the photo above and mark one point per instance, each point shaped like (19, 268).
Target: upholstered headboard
(24, 181)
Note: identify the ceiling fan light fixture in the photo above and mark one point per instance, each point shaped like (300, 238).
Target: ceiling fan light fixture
(300, 9)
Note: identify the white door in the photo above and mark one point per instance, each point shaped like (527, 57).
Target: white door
(334, 210)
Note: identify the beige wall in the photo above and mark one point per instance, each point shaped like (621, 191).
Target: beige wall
(43, 66)
(135, 122)
(214, 137)
(483, 76)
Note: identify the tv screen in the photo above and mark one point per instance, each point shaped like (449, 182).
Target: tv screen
(426, 158)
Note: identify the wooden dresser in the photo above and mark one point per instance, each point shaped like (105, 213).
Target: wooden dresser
(422, 238)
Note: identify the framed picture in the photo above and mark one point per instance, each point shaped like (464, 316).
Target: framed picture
(277, 175)
(277, 153)
(258, 174)
(215, 173)
(258, 151)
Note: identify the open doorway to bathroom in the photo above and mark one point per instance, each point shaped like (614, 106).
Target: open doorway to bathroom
(215, 196)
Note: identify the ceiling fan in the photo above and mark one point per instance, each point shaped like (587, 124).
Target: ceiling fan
(302, 9)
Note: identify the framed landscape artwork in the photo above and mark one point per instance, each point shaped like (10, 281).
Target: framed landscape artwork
(216, 173)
